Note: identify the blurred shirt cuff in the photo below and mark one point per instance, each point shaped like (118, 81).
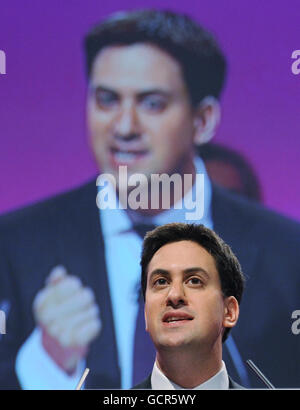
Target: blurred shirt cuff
(37, 371)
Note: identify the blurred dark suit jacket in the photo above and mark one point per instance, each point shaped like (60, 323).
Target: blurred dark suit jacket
(66, 230)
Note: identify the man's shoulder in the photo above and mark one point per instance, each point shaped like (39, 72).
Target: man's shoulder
(48, 209)
(144, 385)
(234, 212)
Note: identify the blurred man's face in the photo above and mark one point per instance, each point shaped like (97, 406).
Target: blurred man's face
(184, 304)
(139, 113)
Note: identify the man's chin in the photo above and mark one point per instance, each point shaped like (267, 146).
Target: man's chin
(175, 343)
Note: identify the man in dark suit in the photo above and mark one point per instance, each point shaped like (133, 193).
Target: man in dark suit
(192, 285)
(152, 97)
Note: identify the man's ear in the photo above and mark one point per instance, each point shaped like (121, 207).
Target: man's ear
(231, 312)
(206, 119)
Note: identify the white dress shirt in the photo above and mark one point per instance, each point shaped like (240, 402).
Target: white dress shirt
(122, 255)
(219, 381)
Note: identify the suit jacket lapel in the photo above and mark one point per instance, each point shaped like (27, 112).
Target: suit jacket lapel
(234, 385)
(145, 384)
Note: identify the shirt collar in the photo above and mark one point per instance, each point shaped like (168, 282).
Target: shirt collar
(116, 221)
(220, 381)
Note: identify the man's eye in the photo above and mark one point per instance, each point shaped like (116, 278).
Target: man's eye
(154, 103)
(160, 282)
(105, 99)
(195, 281)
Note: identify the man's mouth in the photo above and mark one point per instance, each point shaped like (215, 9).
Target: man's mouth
(126, 157)
(176, 318)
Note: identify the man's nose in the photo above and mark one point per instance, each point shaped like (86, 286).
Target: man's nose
(126, 126)
(176, 295)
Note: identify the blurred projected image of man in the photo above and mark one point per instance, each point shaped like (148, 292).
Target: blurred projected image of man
(70, 270)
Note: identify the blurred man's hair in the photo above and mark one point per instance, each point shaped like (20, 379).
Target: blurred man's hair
(228, 267)
(194, 48)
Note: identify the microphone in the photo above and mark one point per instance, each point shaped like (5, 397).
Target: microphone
(260, 374)
(83, 377)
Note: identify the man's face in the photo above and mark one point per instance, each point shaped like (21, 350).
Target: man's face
(139, 113)
(184, 305)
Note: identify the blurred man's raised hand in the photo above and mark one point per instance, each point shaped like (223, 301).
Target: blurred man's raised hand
(68, 316)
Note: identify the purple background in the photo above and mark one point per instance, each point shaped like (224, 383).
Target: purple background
(44, 144)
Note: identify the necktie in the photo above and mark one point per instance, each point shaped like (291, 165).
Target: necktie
(144, 351)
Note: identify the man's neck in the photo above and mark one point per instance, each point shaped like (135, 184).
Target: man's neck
(188, 369)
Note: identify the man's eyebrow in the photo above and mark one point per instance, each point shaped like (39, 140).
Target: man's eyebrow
(146, 93)
(102, 88)
(196, 269)
(161, 272)
(99, 87)
(139, 94)
(186, 272)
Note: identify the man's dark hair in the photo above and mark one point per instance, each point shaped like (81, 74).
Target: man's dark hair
(227, 265)
(195, 49)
